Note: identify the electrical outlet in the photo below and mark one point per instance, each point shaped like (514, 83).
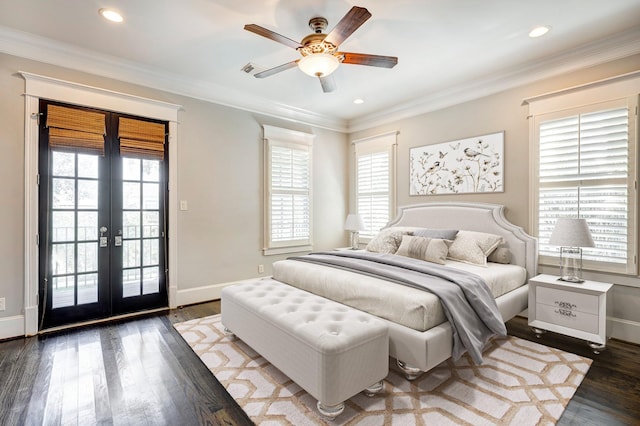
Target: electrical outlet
(3, 304)
(261, 269)
(184, 205)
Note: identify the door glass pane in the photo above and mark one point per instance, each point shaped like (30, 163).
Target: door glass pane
(87, 194)
(131, 282)
(87, 257)
(150, 280)
(62, 291)
(87, 166)
(62, 225)
(87, 226)
(63, 164)
(63, 193)
(151, 224)
(150, 252)
(131, 195)
(151, 170)
(131, 224)
(131, 253)
(87, 288)
(151, 196)
(130, 169)
(62, 259)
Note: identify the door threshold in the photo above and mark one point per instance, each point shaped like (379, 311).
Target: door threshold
(102, 320)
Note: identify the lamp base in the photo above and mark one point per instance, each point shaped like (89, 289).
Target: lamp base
(571, 264)
(355, 244)
(574, 280)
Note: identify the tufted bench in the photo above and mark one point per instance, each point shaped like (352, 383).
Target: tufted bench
(330, 350)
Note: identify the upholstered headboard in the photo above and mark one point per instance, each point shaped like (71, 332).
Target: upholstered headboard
(481, 217)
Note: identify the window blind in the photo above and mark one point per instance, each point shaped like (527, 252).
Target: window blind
(142, 139)
(375, 181)
(373, 191)
(290, 203)
(583, 172)
(76, 129)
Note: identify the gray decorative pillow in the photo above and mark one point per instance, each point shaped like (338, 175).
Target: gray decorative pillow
(429, 249)
(442, 234)
(474, 247)
(500, 255)
(387, 241)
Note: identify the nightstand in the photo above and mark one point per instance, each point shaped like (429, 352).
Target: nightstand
(577, 310)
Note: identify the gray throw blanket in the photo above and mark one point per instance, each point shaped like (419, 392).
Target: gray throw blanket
(466, 299)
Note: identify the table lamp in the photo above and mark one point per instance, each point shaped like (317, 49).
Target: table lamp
(571, 235)
(354, 224)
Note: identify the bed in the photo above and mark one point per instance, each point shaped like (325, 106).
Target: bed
(420, 336)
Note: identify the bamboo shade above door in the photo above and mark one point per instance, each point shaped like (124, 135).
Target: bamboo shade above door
(142, 139)
(76, 129)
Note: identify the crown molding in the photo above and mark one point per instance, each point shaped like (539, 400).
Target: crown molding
(42, 49)
(618, 46)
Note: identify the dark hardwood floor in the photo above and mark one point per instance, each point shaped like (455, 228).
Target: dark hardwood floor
(141, 372)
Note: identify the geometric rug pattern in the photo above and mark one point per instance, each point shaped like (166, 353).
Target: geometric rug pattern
(519, 383)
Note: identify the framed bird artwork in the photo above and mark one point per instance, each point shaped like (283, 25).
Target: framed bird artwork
(468, 165)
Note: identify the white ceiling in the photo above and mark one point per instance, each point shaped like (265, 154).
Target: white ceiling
(447, 49)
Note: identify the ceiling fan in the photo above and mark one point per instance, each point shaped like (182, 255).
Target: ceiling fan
(320, 56)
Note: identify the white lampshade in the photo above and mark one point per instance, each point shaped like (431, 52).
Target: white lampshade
(318, 64)
(571, 232)
(354, 223)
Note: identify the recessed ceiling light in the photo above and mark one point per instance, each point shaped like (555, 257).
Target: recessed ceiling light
(111, 15)
(358, 101)
(539, 31)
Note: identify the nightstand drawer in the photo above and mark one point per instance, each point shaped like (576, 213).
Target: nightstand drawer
(567, 318)
(562, 299)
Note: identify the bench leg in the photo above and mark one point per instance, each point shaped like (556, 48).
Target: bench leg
(330, 411)
(374, 389)
(229, 333)
(411, 373)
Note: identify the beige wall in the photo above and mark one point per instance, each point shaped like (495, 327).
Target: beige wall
(220, 170)
(504, 111)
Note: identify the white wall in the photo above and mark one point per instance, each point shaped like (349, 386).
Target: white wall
(504, 111)
(220, 174)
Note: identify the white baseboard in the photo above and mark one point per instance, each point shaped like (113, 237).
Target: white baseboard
(12, 327)
(204, 293)
(628, 331)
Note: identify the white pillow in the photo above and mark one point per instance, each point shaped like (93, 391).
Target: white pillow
(474, 247)
(430, 249)
(387, 241)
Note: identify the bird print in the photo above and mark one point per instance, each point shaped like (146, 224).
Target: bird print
(443, 154)
(472, 153)
(433, 168)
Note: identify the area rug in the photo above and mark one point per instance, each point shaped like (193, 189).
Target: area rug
(519, 383)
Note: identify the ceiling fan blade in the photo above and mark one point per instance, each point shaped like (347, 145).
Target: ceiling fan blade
(370, 60)
(347, 25)
(275, 70)
(328, 83)
(257, 29)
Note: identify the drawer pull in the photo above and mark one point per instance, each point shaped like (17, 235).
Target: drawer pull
(565, 312)
(565, 305)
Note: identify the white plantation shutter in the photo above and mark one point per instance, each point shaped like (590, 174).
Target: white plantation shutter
(585, 169)
(375, 181)
(288, 187)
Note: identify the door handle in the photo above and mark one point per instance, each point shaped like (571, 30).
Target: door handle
(117, 241)
(103, 240)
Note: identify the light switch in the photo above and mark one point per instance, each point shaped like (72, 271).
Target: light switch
(184, 205)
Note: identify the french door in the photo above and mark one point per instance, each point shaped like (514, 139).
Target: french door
(102, 218)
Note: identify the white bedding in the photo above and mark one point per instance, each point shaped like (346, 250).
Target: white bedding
(413, 308)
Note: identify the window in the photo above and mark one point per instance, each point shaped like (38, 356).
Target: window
(375, 181)
(288, 216)
(585, 167)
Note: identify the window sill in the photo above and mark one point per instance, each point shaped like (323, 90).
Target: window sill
(286, 250)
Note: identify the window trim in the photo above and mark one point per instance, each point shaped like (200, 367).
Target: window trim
(276, 136)
(378, 143)
(624, 89)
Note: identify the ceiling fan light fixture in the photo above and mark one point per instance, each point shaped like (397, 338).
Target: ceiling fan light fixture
(318, 64)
